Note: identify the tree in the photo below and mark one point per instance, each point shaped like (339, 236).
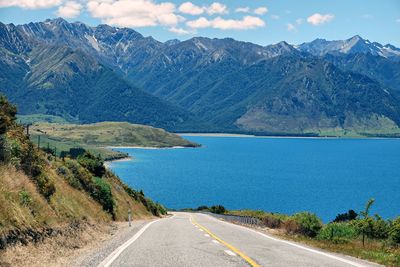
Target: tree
(365, 224)
(345, 217)
(7, 115)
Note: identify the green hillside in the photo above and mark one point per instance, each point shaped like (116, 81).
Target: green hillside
(42, 195)
(98, 136)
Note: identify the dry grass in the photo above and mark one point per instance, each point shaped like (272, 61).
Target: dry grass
(14, 213)
(58, 250)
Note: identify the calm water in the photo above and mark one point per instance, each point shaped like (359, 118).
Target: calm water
(325, 176)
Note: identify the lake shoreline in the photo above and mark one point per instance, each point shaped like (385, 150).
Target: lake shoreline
(130, 158)
(281, 136)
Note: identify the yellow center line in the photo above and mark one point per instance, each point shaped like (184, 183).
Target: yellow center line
(226, 244)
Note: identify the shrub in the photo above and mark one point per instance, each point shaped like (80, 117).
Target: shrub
(394, 232)
(25, 198)
(271, 221)
(45, 185)
(291, 226)
(93, 164)
(218, 209)
(81, 174)
(337, 232)
(345, 217)
(309, 223)
(380, 228)
(64, 172)
(7, 115)
(103, 195)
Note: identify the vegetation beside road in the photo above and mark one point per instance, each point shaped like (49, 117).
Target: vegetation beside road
(43, 195)
(360, 234)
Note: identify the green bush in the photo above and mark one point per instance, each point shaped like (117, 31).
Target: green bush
(309, 224)
(103, 195)
(345, 217)
(93, 164)
(79, 173)
(337, 232)
(64, 172)
(394, 232)
(380, 228)
(218, 209)
(45, 185)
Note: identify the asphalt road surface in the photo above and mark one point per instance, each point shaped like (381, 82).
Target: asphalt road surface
(192, 239)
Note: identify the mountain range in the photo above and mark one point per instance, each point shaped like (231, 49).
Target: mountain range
(89, 74)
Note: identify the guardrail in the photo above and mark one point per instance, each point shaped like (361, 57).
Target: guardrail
(236, 218)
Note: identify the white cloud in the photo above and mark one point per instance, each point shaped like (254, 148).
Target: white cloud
(70, 9)
(318, 19)
(191, 9)
(242, 9)
(299, 21)
(261, 10)
(217, 8)
(275, 17)
(248, 22)
(199, 23)
(180, 31)
(290, 27)
(30, 4)
(134, 13)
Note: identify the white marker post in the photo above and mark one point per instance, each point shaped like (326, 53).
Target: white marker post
(129, 217)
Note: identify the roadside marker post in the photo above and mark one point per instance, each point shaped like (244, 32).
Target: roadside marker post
(129, 217)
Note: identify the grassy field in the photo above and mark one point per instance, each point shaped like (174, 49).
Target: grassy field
(98, 136)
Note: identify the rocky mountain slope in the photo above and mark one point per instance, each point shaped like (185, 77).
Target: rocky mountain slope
(345, 85)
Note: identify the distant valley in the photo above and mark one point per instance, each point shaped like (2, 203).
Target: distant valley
(91, 74)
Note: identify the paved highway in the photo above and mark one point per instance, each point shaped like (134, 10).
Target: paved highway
(190, 239)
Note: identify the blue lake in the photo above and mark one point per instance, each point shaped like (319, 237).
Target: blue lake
(286, 175)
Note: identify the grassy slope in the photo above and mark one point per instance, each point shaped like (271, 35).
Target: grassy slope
(66, 206)
(95, 137)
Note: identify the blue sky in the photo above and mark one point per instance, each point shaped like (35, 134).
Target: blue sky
(258, 21)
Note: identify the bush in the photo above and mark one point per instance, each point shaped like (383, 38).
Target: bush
(103, 195)
(218, 209)
(93, 164)
(380, 228)
(64, 172)
(81, 174)
(25, 198)
(45, 185)
(291, 226)
(309, 223)
(271, 221)
(337, 232)
(345, 217)
(394, 232)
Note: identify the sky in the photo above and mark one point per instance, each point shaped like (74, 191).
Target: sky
(258, 21)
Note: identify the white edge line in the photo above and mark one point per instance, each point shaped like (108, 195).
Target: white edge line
(114, 255)
(229, 252)
(295, 245)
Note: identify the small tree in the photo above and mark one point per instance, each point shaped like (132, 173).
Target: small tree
(365, 224)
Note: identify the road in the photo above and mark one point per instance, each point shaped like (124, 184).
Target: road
(192, 239)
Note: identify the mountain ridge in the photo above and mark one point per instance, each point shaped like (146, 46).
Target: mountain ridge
(196, 77)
